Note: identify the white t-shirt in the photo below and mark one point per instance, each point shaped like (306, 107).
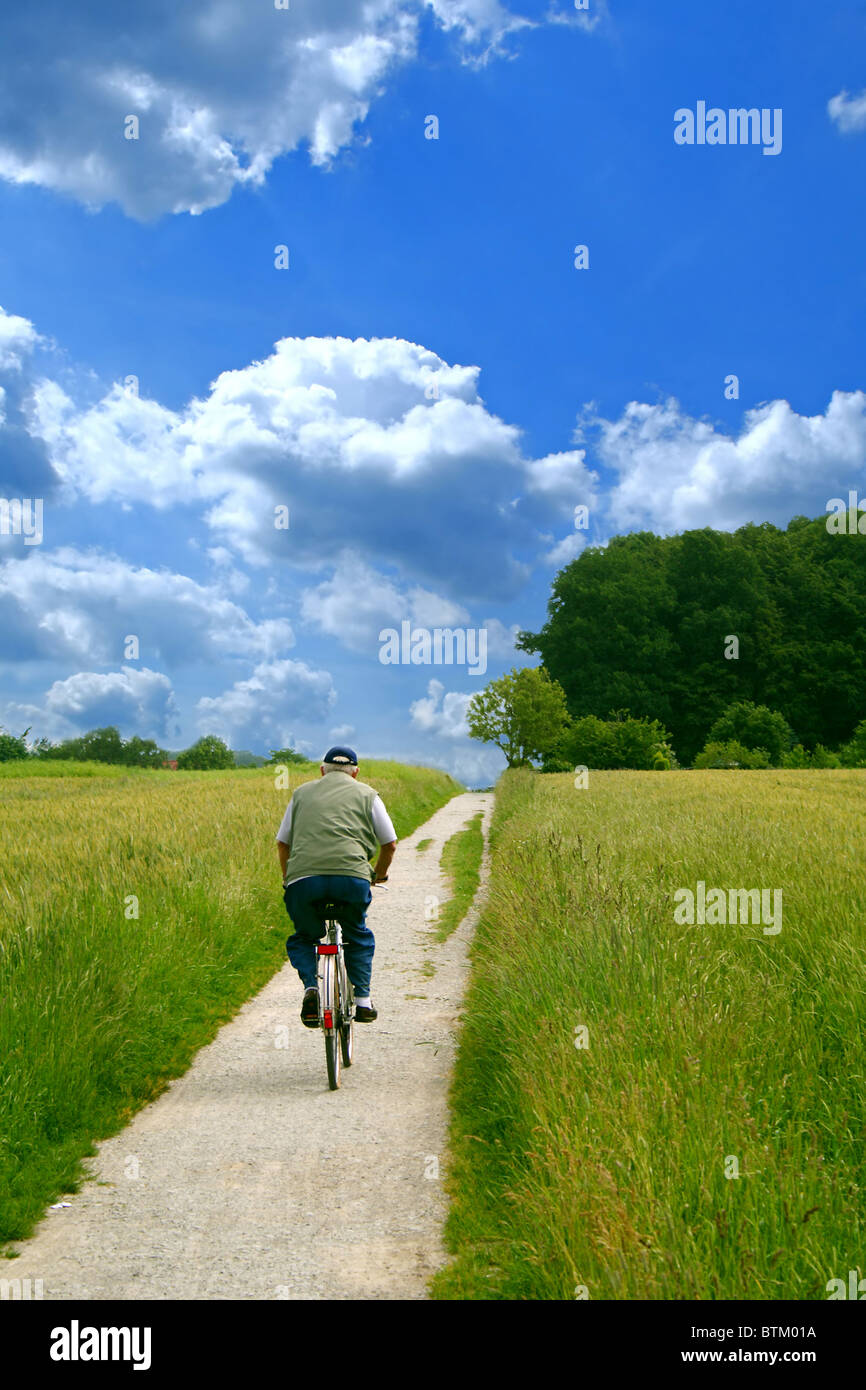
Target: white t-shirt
(382, 824)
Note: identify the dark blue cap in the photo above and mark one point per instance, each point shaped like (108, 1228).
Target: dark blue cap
(341, 755)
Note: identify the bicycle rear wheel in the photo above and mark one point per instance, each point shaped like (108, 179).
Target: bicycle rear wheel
(330, 1019)
(332, 1057)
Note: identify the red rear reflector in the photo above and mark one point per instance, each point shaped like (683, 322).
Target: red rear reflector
(327, 950)
(329, 1019)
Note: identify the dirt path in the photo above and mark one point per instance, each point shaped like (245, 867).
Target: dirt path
(248, 1178)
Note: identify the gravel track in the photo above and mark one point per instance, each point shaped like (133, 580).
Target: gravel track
(247, 1178)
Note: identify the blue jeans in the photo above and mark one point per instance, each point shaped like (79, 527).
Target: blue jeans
(354, 896)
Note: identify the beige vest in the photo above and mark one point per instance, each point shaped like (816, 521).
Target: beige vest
(332, 828)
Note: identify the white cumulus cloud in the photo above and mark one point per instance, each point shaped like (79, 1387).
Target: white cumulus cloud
(264, 709)
(138, 701)
(218, 90)
(369, 437)
(676, 472)
(358, 602)
(75, 605)
(18, 338)
(441, 712)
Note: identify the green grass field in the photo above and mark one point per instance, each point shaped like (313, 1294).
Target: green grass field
(703, 1138)
(461, 865)
(138, 911)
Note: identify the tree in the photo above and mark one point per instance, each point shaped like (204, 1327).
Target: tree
(754, 726)
(69, 748)
(609, 640)
(207, 754)
(286, 755)
(143, 752)
(586, 742)
(102, 746)
(523, 713)
(13, 748)
(98, 745)
(646, 622)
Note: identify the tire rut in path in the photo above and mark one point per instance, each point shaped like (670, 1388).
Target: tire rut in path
(247, 1178)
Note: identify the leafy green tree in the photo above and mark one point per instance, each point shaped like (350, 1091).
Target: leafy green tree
(753, 726)
(143, 752)
(523, 713)
(208, 753)
(286, 755)
(646, 621)
(13, 748)
(609, 640)
(98, 745)
(586, 742)
(102, 746)
(63, 750)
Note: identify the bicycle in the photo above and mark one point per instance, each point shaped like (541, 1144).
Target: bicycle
(336, 996)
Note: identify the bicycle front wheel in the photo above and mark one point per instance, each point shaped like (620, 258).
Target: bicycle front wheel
(347, 1031)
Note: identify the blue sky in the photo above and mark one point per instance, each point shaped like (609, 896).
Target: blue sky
(448, 386)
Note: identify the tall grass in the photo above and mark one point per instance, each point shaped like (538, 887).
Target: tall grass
(608, 1167)
(461, 865)
(99, 1008)
(27, 768)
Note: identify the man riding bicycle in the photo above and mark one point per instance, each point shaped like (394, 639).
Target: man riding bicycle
(330, 832)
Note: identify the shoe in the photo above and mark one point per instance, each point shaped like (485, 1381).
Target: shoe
(310, 1008)
(364, 1014)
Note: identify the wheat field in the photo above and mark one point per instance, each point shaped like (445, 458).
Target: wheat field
(138, 911)
(647, 1109)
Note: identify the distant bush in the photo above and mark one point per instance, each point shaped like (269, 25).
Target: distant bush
(823, 757)
(753, 726)
(853, 753)
(732, 754)
(617, 742)
(801, 757)
(12, 748)
(208, 754)
(287, 755)
(587, 741)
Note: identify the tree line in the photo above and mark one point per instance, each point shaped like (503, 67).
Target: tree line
(107, 746)
(710, 649)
